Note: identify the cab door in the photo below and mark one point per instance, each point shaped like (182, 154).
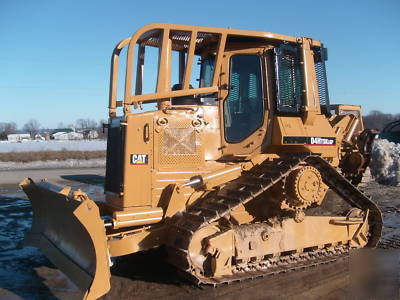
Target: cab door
(243, 110)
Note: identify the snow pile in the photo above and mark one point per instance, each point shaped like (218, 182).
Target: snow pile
(385, 162)
(50, 164)
(30, 146)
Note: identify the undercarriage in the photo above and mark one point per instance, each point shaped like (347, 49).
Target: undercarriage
(209, 243)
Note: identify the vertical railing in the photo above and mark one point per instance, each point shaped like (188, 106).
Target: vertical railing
(164, 68)
(163, 87)
(189, 60)
(218, 60)
(163, 90)
(114, 77)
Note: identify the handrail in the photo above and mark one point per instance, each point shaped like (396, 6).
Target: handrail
(171, 94)
(163, 90)
(114, 76)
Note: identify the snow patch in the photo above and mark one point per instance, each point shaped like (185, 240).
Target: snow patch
(35, 146)
(385, 162)
(64, 164)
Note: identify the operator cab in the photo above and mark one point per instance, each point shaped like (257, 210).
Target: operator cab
(204, 77)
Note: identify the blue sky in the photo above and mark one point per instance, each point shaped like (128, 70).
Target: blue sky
(55, 55)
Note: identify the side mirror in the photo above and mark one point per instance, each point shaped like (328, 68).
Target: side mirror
(104, 126)
(324, 53)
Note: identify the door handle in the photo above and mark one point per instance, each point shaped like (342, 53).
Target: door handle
(146, 133)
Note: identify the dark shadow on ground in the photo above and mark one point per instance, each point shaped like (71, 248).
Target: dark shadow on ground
(92, 179)
(149, 266)
(148, 276)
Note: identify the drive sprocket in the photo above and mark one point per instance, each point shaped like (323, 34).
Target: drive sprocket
(304, 186)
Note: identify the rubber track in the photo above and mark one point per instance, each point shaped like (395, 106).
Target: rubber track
(246, 188)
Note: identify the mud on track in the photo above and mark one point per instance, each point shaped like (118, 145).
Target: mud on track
(25, 273)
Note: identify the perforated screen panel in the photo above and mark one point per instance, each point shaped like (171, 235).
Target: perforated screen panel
(179, 141)
(289, 79)
(320, 72)
(180, 144)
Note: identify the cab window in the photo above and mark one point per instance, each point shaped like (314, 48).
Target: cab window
(244, 106)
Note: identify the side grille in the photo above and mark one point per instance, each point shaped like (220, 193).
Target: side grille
(289, 79)
(179, 141)
(180, 144)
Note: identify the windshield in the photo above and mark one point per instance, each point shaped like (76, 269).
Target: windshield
(206, 77)
(203, 73)
(206, 71)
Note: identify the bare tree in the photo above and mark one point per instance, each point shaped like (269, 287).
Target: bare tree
(83, 124)
(377, 120)
(32, 127)
(6, 129)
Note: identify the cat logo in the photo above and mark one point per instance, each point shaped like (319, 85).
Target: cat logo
(139, 159)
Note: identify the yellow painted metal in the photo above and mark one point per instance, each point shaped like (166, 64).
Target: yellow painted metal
(188, 157)
(311, 105)
(189, 60)
(303, 187)
(197, 254)
(114, 76)
(69, 230)
(136, 217)
(252, 144)
(135, 240)
(252, 242)
(162, 91)
(137, 191)
(221, 247)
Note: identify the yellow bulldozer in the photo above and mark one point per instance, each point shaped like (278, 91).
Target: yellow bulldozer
(224, 155)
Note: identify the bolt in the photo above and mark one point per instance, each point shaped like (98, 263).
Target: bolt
(264, 235)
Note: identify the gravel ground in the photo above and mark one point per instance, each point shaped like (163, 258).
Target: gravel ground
(25, 273)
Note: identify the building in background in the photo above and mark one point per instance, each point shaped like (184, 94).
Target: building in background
(18, 137)
(39, 137)
(90, 134)
(66, 134)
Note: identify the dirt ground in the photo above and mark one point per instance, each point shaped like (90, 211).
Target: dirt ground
(26, 274)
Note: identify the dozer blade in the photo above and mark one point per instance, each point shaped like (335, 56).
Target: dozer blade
(69, 231)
